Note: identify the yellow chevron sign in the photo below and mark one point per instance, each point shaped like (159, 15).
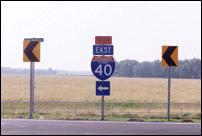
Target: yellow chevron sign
(169, 56)
(31, 51)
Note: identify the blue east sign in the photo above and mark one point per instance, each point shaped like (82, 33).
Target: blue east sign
(103, 50)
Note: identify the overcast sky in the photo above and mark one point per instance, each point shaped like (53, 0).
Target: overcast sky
(138, 30)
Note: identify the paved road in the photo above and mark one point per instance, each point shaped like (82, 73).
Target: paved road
(67, 127)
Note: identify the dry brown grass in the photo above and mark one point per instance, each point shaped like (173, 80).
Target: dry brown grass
(82, 88)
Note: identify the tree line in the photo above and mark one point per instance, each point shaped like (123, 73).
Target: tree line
(132, 68)
(7, 70)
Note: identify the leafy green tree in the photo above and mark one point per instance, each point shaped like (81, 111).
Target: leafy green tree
(196, 68)
(117, 72)
(156, 69)
(127, 67)
(143, 69)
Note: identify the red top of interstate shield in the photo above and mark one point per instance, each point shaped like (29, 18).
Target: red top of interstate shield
(103, 58)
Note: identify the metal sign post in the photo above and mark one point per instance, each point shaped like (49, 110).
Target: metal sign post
(102, 108)
(31, 55)
(103, 89)
(169, 59)
(31, 89)
(102, 66)
(168, 115)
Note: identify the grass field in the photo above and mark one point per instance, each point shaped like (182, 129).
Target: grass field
(82, 88)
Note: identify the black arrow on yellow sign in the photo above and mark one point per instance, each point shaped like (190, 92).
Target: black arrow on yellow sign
(28, 51)
(167, 56)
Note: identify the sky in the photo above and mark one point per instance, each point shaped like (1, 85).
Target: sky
(139, 29)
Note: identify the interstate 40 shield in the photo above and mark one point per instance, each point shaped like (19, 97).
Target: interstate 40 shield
(103, 66)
